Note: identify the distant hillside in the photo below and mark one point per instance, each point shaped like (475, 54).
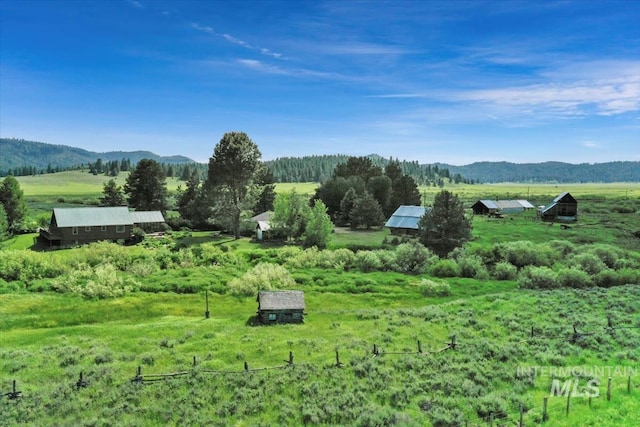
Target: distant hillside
(548, 172)
(17, 153)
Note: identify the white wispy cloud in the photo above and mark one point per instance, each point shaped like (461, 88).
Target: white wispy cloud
(590, 144)
(136, 4)
(236, 41)
(266, 68)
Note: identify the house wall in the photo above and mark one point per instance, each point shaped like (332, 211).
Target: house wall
(280, 316)
(93, 234)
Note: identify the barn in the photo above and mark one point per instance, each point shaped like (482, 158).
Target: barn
(281, 307)
(262, 224)
(149, 221)
(563, 208)
(406, 219)
(488, 207)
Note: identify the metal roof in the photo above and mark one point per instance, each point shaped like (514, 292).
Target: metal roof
(560, 196)
(264, 225)
(406, 217)
(509, 204)
(92, 217)
(490, 204)
(281, 300)
(145, 217)
(526, 204)
(264, 216)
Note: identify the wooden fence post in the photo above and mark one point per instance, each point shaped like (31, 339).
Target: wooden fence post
(521, 424)
(629, 384)
(419, 347)
(194, 361)
(609, 389)
(290, 361)
(545, 415)
(338, 364)
(206, 296)
(375, 350)
(568, 401)
(246, 366)
(491, 419)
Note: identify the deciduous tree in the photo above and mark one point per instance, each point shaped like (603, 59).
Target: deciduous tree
(319, 226)
(12, 199)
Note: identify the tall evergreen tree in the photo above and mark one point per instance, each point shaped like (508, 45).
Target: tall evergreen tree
(268, 192)
(232, 170)
(4, 224)
(445, 226)
(404, 192)
(12, 199)
(146, 186)
(112, 194)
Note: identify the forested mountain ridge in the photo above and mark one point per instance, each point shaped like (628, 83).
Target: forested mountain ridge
(548, 172)
(17, 153)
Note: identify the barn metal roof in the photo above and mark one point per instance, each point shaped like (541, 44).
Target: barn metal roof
(406, 217)
(526, 204)
(145, 217)
(92, 217)
(281, 300)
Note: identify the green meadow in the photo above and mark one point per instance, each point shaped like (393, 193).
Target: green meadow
(52, 328)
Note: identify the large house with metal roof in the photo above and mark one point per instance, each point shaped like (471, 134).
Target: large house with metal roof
(562, 208)
(406, 219)
(75, 226)
(488, 207)
(281, 307)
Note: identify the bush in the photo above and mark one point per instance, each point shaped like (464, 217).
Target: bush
(472, 266)
(505, 271)
(523, 253)
(433, 288)
(537, 278)
(412, 257)
(368, 261)
(445, 268)
(607, 254)
(27, 266)
(103, 281)
(263, 276)
(588, 262)
(574, 278)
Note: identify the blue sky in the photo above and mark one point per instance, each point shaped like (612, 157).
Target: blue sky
(453, 81)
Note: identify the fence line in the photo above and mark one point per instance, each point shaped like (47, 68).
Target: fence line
(452, 345)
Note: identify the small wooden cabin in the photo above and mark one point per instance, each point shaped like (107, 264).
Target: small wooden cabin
(281, 307)
(563, 208)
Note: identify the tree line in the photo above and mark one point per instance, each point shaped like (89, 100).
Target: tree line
(320, 168)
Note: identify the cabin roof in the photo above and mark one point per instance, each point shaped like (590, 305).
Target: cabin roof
(145, 217)
(281, 300)
(92, 217)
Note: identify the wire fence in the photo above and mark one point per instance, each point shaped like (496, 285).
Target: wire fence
(498, 418)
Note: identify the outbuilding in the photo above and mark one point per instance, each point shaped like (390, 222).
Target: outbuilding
(563, 208)
(406, 219)
(281, 307)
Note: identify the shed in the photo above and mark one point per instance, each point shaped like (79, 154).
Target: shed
(406, 219)
(148, 220)
(281, 307)
(484, 207)
(563, 208)
(262, 223)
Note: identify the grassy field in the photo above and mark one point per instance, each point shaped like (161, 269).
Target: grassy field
(48, 337)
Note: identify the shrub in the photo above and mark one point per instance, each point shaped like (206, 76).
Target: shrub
(263, 276)
(523, 253)
(412, 257)
(27, 266)
(433, 288)
(472, 266)
(505, 271)
(103, 281)
(537, 278)
(588, 262)
(445, 268)
(574, 278)
(368, 261)
(607, 254)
